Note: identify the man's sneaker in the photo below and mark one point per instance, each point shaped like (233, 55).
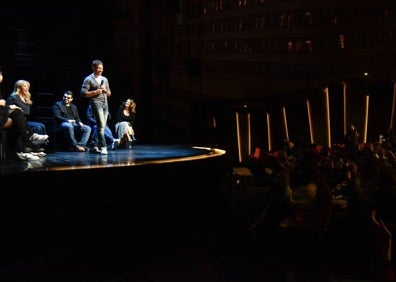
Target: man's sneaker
(27, 157)
(95, 150)
(103, 150)
(115, 144)
(38, 139)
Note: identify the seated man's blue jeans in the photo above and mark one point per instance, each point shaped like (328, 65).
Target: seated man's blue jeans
(74, 131)
(36, 127)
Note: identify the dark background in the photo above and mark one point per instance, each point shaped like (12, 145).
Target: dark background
(148, 52)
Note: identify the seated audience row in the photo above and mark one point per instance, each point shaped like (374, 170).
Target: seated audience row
(363, 174)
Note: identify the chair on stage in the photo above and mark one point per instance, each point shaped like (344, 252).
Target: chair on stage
(44, 115)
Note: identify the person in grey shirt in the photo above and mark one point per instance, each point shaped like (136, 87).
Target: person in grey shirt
(96, 87)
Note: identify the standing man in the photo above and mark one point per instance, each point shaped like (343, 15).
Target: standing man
(108, 133)
(96, 87)
(66, 114)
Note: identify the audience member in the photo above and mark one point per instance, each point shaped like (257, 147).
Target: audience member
(390, 137)
(110, 139)
(13, 119)
(286, 155)
(295, 218)
(21, 97)
(96, 87)
(67, 116)
(374, 186)
(352, 141)
(293, 194)
(125, 120)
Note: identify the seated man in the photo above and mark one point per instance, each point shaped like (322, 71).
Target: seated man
(66, 115)
(108, 133)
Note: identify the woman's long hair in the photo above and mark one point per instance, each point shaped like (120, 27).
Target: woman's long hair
(132, 105)
(17, 91)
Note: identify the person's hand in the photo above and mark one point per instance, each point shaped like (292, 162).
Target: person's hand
(13, 107)
(103, 87)
(98, 92)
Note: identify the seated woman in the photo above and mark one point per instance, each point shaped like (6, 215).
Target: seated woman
(13, 119)
(125, 121)
(21, 97)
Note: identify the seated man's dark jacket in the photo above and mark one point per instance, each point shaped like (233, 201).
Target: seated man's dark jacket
(62, 115)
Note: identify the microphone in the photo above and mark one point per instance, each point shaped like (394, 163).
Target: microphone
(101, 83)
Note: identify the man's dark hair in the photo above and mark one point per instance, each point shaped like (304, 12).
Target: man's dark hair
(97, 62)
(69, 92)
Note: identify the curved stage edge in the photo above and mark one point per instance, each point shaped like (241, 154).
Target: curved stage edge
(122, 158)
(142, 199)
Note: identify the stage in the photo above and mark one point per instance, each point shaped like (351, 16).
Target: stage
(140, 155)
(65, 211)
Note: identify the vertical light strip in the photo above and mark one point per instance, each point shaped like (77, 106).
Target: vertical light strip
(249, 135)
(344, 92)
(328, 117)
(393, 105)
(366, 119)
(269, 132)
(238, 137)
(285, 123)
(310, 121)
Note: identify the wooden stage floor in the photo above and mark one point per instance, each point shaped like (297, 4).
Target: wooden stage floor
(138, 156)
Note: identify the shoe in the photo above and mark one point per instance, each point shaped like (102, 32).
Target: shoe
(129, 145)
(39, 154)
(38, 139)
(27, 150)
(95, 150)
(103, 150)
(79, 148)
(115, 144)
(27, 157)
